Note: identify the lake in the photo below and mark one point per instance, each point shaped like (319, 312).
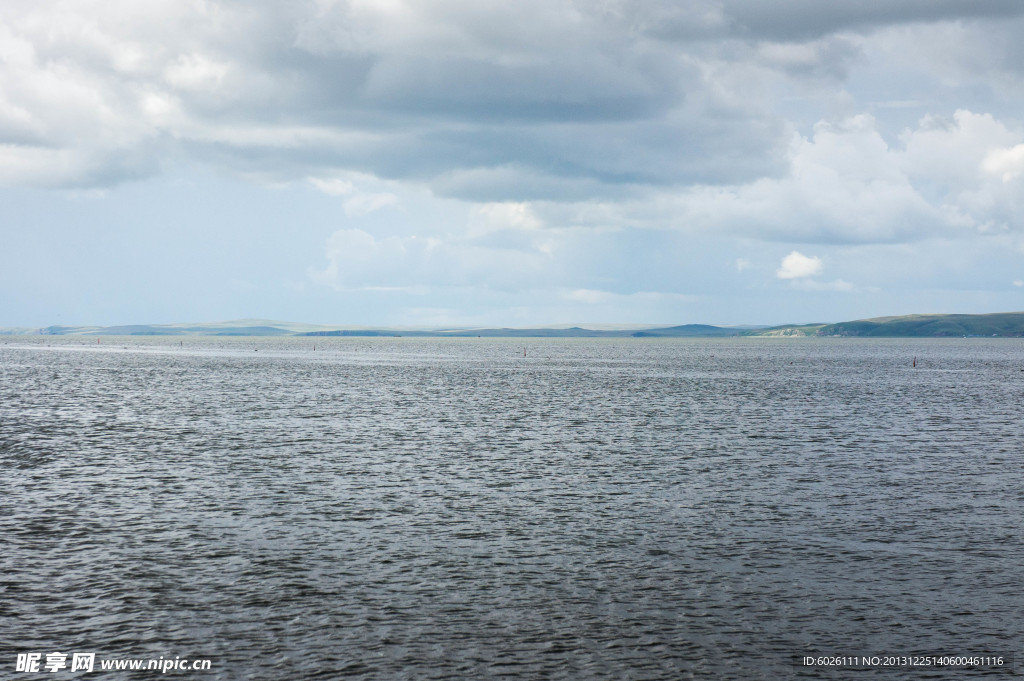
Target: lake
(397, 508)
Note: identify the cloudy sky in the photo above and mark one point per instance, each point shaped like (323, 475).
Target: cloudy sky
(457, 162)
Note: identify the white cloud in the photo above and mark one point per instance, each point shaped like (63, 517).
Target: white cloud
(333, 186)
(796, 265)
(847, 184)
(837, 285)
(1007, 163)
(357, 260)
(843, 185)
(952, 153)
(1018, 283)
(357, 203)
(494, 217)
(587, 296)
(596, 297)
(363, 204)
(196, 72)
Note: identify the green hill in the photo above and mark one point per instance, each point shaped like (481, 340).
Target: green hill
(1005, 324)
(687, 331)
(786, 330)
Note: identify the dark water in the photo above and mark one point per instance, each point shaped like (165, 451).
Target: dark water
(414, 509)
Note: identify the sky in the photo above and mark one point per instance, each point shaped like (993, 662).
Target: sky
(442, 163)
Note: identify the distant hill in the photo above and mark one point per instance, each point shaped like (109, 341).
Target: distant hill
(163, 330)
(684, 331)
(572, 332)
(687, 331)
(1005, 324)
(269, 328)
(786, 330)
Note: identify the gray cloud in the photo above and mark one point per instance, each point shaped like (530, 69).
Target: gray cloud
(556, 101)
(798, 20)
(804, 19)
(402, 90)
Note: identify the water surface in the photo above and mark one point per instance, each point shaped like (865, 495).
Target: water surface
(450, 509)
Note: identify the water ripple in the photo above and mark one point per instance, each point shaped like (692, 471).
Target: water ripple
(414, 509)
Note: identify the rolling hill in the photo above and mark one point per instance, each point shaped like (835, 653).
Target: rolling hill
(1003, 324)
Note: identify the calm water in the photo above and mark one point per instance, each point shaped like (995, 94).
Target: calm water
(419, 509)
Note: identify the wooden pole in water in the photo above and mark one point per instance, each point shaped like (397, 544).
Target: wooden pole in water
(915, 362)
